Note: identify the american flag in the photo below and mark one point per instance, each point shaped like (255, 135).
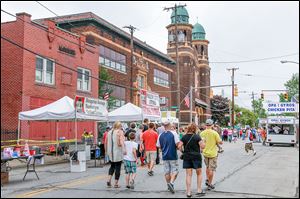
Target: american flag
(187, 100)
(106, 96)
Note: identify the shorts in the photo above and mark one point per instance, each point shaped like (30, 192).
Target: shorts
(211, 163)
(130, 166)
(151, 156)
(192, 164)
(248, 147)
(171, 167)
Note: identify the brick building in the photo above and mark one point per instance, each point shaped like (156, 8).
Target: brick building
(29, 81)
(30, 85)
(193, 64)
(151, 69)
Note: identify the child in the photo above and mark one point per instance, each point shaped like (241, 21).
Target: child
(130, 160)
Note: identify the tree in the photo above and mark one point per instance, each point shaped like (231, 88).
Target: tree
(246, 117)
(292, 86)
(259, 111)
(219, 108)
(104, 87)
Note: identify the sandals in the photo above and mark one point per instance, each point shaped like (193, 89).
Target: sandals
(202, 193)
(206, 182)
(108, 184)
(210, 187)
(117, 186)
(189, 195)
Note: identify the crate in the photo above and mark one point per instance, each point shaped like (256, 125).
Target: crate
(4, 177)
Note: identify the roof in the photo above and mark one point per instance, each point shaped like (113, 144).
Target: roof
(182, 16)
(180, 11)
(198, 32)
(201, 102)
(89, 16)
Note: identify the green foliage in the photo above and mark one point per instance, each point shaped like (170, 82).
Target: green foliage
(104, 76)
(259, 111)
(246, 118)
(220, 107)
(292, 86)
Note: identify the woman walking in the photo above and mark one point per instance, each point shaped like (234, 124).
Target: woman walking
(115, 146)
(192, 158)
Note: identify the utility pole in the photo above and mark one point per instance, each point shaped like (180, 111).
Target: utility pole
(252, 94)
(191, 104)
(232, 106)
(132, 29)
(177, 64)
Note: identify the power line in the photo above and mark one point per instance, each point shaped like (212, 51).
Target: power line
(255, 60)
(51, 11)
(74, 70)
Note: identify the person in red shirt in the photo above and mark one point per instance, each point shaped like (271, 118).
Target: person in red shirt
(263, 135)
(149, 139)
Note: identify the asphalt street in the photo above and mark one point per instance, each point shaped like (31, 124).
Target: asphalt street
(273, 172)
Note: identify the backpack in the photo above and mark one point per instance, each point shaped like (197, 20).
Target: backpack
(251, 136)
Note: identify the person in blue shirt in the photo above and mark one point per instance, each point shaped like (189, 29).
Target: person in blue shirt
(168, 142)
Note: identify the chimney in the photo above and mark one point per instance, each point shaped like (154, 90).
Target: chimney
(23, 16)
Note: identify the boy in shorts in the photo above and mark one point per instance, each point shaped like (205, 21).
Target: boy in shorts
(130, 160)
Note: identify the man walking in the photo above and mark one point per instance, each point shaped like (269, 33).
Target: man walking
(211, 139)
(149, 138)
(249, 142)
(168, 142)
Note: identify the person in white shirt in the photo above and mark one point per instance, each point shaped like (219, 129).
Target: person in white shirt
(130, 160)
(249, 142)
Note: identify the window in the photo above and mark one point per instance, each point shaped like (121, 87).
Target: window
(163, 100)
(112, 59)
(161, 78)
(118, 93)
(83, 79)
(141, 82)
(44, 71)
(283, 129)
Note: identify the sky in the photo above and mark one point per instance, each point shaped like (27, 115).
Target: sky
(237, 31)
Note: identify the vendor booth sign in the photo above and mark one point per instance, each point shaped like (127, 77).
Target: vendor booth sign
(150, 103)
(90, 106)
(278, 108)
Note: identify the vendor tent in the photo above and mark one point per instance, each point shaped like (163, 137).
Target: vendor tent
(60, 110)
(129, 112)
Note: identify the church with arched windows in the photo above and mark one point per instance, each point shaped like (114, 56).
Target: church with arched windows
(193, 66)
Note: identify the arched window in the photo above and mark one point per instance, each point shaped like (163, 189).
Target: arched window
(202, 50)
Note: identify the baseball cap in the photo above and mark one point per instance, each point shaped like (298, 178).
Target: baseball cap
(209, 122)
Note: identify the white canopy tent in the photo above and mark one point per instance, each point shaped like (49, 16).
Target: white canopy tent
(130, 112)
(60, 110)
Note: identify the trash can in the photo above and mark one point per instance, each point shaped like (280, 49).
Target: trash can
(78, 161)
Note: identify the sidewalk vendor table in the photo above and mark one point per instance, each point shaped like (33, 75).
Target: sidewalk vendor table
(30, 160)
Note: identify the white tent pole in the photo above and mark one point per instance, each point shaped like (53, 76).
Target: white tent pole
(19, 127)
(75, 133)
(56, 129)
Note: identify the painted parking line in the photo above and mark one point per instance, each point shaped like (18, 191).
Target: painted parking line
(72, 183)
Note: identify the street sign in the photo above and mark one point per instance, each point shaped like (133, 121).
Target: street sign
(283, 107)
(174, 107)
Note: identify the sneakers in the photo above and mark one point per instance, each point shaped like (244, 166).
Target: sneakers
(150, 173)
(171, 187)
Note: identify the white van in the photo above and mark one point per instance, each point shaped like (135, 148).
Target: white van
(281, 130)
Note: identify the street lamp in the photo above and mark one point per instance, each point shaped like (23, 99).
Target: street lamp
(285, 61)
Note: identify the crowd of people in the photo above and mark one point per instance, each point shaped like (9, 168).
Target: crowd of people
(150, 143)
